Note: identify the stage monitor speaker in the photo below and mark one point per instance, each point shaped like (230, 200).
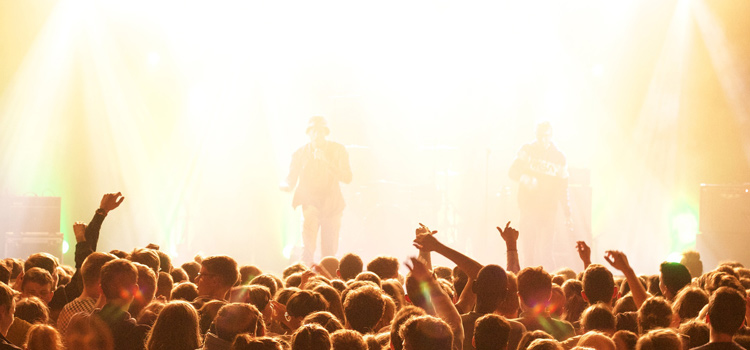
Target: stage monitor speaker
(724, 224)
(21, 245)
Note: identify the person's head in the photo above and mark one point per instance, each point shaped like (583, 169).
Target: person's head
(179, 275)
(164, 285)
(317, 129)
(544, 133)
(146, 288)
(32, 310)
(384, 266)
(146, 256)
(368, 276)
(256, 295)
(598, 285)
(311, 337)
(598, 317)
(185, 291)
(510, 306)
(165, 262)
(149, 313)
(237, 318)
(330, 264)
(43, 337)
(325, 319)
(119, 281)
(490, 287)
(192, 269)
(674, 276)
(459, 278)
(625, 340)
(659, 339)
(207, 314)
(692, 260)
(697, 331)
(303, 303)
(7, 308)
(44, 261)
(333, 297)
(86, 332)
(249, 342)
(176, 327)
(689, 302)
(248, 272)
(395, 290)
(726, 311)
(531, 336)
(347, 339)
(266, 280)
(363, 308)
(491, 332)
(597, 340)
(545, 344)
(401, 317)
(91, 271)
(38, 282)
(217, 275)
(534, 287)
(655, 313)
(426, 333)
(350, 266)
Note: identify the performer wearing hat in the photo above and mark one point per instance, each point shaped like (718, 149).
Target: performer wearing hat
(319, 166)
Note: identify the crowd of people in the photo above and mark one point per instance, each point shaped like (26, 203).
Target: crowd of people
(139, 300)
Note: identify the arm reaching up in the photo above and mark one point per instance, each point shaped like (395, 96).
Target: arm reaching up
(619, 261)
(510, 236)
(443, 305)
(429, 243)
(584, 252)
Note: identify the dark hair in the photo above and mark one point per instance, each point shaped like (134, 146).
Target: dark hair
(401, 317)
(598, 317)
(628, 338)
(491, 284)
(39, 276)
(459, 280)
(146, 256)
(350, 266)
(347, 339)
(529, 337)
(118, 279)
(689, 302)
(325, 319)
(674, 276)
(192, 269)
(305, 302)
(176, 327)
(250, 342)
(368, 276)
(311, 337)
(333, 297)
(384, 266)
(32, 310)
(363, 308)
(44, 261)
(574, 303)
(660, 339)
(654, 313)
(266, 280)
(187, 291)
(491, 332)
(292, 269)
(726, 310)
(248, 273)
(237, 318)
(598, 284)
(697, 331)
(426, 333)
(224, 267)
(534, 286)
(256, 295)
(179, 275)
(395, 290)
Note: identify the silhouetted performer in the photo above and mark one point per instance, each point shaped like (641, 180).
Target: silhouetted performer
(319, 165)
(542, 174)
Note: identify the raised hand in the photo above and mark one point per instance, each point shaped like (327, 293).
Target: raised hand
(509, 233)
(618, 260)
(425, 239)
(584, 252)
(111, 201)
(419, 270)
(79, 229)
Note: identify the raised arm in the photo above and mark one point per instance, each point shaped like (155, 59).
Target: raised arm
(584, 252)
(510, 236)
(430, 243)
(619, 261)
(443, 305)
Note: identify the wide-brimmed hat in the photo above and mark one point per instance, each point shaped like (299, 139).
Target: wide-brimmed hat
(317, 123)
